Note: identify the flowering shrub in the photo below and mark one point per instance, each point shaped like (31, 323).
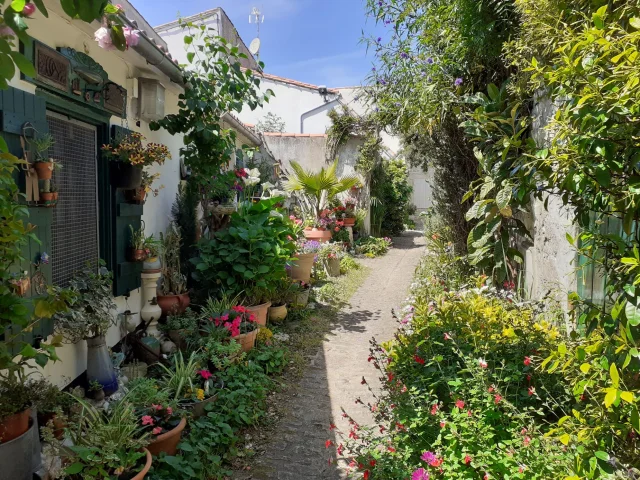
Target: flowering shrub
(236, 321)
(157, 419)
(462, 397)
(308, 246)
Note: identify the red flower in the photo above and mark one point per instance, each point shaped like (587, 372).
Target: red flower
(169, 411)
(252, 318)
(391, 449)
(460, 404)
(436, 462)
(337, 229)
(442, 424)
(239, 309)
(206, 374)
(363, 381)
(369, 359)
(328, 443)
(372, 463)
(332, 426)
(366, 475)
(527, 361)
(527, 441)
(340, 449)
(467, 459)
(419, 359)
(497, 399)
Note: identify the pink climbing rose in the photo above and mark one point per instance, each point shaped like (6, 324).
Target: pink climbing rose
(103, 37)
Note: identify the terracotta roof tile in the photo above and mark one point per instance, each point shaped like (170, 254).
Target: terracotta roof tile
(298, 135)
(290, 81)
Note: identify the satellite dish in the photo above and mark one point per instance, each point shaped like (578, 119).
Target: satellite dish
(254, 48)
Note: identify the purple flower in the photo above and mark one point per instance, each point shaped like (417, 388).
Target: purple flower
(420, 474)
(373, 69)
(430, 61)
(458, 82)
(428, 457)
(379, 39)
(380, 3)
(382, 82)
(398, 104)
(44, 258)
(404, 55)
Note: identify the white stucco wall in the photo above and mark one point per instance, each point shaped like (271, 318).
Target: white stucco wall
(59, 31)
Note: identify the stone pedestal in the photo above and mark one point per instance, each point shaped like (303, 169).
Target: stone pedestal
(350, 230)
(151, 311)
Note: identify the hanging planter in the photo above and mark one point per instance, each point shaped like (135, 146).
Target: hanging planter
(125, 175)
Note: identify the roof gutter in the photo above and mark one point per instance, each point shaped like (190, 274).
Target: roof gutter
(241, 127)
(155, 56)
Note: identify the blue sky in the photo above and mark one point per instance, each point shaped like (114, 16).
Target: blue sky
(314, 41)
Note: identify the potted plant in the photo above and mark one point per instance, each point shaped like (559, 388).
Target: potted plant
(159, 415)
(172, 294)
(89, 318)
(138, 195)
(137, 251)
(189, 384)
(43, 165)
(54, 190)
(20, 283)
(222, 189)
(128, 156)
(241, 325)
(52, 406)
(15, 408)
(179, 327)
(350, 213)
(152, 248)
(330, 255)
(103, 444)
(258, 302)
(300, 294)
(305, 257)
(280, 296)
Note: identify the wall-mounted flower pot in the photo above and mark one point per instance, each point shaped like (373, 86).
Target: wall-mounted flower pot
(302, 265)
(16, 456)
(332, 266)
(173, 304)
(14, 425)
(21, 287)
(99, 365)
(125, 176)
(278, 314)
(247, 340)
(261, 312)
(319, 234)
(168, 442)
(136, 255)
(349, 222)
(136, 196)
(44, 170)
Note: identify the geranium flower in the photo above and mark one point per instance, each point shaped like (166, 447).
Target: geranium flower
(169, 411)
(252, 318)
(460, 404)
(527, 361)
(420, 474)
(532, 391)
(147, 420)
(482, 363)
(206, 374)
(434, 409)
(527, 441)
(467, 459)
(239, 309)
(156, 407)
(497, 399)
(442, 424)
(157, 431)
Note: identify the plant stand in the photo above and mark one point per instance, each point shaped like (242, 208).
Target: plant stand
(151, 311)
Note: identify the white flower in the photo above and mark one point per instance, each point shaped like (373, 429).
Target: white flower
(103, 37)
(277, 193)
(482, 363)
(268, 186)
(252, 178)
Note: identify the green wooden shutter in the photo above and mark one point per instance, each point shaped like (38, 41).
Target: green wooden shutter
(126, 274)
(17, 108)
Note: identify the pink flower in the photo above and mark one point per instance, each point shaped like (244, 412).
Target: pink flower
(427, 457)
(131, 36)
(447, 336)
(147, 420)
(482, 363)
(252, 318)
(206, 374)
(434, 409)
(486, 476)
(527, 441)
(442, 424)
(157, 430)
(156, 407)
(532, 391)
(103, 37)
(467, 459)
(29, 9)
(497, 399)
(420, 474)
(169, 411)
(527, 361)
(460, 404)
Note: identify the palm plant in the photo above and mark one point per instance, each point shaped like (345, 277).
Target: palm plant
(317, 188)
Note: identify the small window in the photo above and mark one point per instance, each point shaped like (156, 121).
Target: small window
(74, 231)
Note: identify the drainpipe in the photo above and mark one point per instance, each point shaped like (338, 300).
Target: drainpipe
(327, 103)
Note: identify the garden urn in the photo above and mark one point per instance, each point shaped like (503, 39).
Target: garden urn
(99, 365)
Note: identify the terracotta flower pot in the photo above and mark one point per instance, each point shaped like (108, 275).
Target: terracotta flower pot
(47, 199)
(320, 235)
(173, 304)
(302, 265)
(332, 266)
(147, 466)
(247, 340)
(136, 255)
(261, 312)
(349, 222)
(136, 196)
(44, 170)
(13, 426)
(278, 314)
(168, 442)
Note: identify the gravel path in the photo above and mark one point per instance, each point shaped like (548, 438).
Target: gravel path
(297, 450)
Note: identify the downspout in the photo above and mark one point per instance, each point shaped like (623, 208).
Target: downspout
(309, 113)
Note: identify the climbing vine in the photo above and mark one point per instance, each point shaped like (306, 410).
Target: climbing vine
(345, 125)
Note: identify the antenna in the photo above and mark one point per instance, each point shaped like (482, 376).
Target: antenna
(256, 17)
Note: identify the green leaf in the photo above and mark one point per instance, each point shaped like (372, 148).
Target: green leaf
(3, 145)
(585, 367)
(504, 197)
(28, 351)
(118, 38)
(615, 376)
(74, 468)
(602, 456)
(627, 222)
(69, 7)
(494, 92)
(18, 5)
(610, 397)
(603, 175)
(632, 312)
(23, 64)
(635, 420)
(42, 8)
(635, 23)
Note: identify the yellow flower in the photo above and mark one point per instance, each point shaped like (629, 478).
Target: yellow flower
(200, 394)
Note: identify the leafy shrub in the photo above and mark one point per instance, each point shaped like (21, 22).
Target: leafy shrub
(392, 191)
(248, 257)
(373, 246)
(347, 264)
